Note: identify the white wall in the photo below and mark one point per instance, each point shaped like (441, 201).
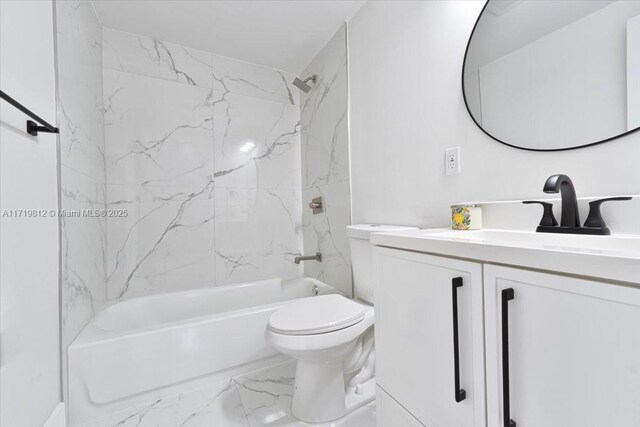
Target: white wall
(633, 72)
(407, 108)
(29, 323)
(525, 23)
(565, 89)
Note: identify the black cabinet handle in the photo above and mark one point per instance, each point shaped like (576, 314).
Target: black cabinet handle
(456, 283)
(507, 295)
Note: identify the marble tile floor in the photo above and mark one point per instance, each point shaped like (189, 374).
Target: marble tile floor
(259, 398)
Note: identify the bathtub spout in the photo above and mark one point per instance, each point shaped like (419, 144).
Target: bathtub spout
(316, 257)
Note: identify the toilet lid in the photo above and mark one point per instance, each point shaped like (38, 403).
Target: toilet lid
(316, 315)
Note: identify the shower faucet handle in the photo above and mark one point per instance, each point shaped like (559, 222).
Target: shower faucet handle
(316, 205)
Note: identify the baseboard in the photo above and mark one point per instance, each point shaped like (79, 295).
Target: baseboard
(57, 417)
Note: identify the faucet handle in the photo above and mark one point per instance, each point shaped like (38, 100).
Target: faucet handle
(595, 216)
(547, 213)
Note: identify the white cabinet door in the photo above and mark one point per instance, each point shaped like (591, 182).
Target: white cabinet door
(573, 350)
(389, 413)
(415, 336)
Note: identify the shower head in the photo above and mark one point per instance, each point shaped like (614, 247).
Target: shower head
(302, 85)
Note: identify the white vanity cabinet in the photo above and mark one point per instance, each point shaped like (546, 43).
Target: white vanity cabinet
(573, 350)
(416, 306)
(390, 413)
(557, 350)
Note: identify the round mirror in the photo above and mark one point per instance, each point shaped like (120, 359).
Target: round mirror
(554, 75)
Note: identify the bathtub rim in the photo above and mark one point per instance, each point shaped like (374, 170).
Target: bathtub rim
(92, 333)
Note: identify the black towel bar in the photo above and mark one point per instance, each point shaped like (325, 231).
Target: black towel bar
(32, 127)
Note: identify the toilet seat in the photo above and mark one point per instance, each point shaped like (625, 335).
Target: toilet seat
(319, 345)
(316, 315)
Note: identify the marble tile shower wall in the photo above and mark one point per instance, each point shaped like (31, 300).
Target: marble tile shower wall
(82, 160)
(203, 152)
(325, 165)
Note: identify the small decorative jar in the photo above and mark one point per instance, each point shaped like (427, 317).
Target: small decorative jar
(466, 217)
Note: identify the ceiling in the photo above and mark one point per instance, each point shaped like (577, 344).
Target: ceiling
(282, 34)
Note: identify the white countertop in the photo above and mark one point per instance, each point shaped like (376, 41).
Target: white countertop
(615, 257)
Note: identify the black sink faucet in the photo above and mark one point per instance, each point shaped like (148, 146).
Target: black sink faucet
(570, 218)
(562, 184)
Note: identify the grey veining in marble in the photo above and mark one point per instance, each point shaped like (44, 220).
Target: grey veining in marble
(258, 234)
(145, 56)
(256, 144)
(327, 232)
(159, 161)
(208, 172)
(266, 395)
(253, 80)
(259, 398)
(164, 244)
(158, 132)
(82, 174)
(217, 404)
(325, 165)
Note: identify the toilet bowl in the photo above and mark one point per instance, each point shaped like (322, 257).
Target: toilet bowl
(321, 333)
(331, 337)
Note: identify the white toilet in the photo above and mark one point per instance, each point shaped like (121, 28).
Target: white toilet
(331, 337)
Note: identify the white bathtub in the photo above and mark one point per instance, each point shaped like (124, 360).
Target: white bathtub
(147, 348)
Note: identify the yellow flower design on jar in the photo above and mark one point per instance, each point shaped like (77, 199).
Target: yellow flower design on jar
(460, 218)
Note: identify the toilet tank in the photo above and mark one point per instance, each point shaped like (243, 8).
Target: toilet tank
(362, 256)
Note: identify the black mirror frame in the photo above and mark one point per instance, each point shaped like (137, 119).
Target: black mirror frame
(466, 104)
